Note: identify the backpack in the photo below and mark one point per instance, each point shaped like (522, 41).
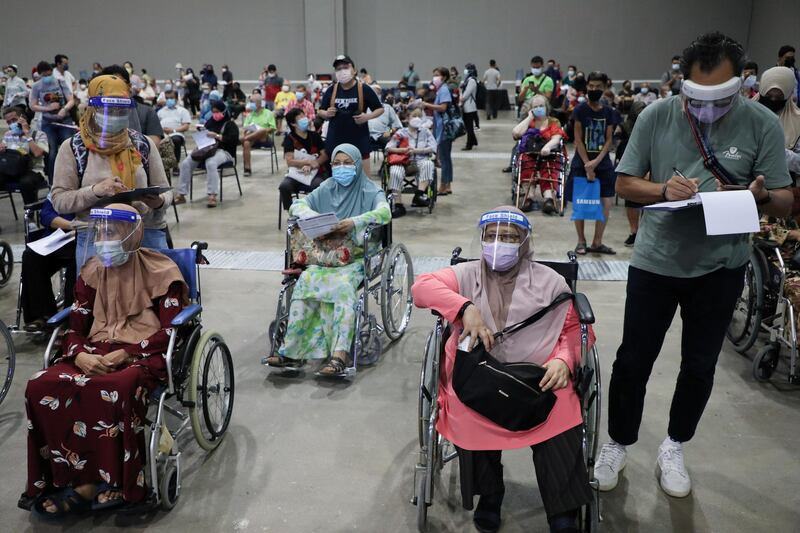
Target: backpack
(360, 96)
(81, 153)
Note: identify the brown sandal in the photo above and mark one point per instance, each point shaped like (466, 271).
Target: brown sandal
(333, 367)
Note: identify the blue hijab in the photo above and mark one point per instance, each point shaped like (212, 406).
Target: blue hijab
(349, 201)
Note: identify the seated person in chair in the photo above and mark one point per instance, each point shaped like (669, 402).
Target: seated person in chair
(479, 298)
(222, 129)
(381, 128)
(542, 135)
(38, 301)
(302, 101)
(175, 121)
(259, 125)
(86, 413)
(234, 99)
(411, 147)
(32, 147)
(304, 175)
(322, 311)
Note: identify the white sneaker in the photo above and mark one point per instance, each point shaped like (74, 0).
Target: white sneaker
(609, 464)
(670, 470)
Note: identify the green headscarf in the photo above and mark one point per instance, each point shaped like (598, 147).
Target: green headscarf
(349, 201)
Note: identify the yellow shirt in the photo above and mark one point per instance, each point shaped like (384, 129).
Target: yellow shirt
(283, 98)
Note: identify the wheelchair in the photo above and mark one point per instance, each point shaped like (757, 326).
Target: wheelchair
(8, 356)
(409, 185)
(763, 307)
(388, 277)
(32, 218)
(199, 378)
(435, 451)
(529, 168)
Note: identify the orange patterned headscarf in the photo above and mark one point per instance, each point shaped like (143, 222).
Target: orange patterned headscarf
(122, 155)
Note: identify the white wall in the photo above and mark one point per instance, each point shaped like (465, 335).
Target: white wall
(624, 38)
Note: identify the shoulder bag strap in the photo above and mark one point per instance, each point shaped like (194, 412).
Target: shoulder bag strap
(333, 95)
(561, 298)
(710, 161)
(360, 97)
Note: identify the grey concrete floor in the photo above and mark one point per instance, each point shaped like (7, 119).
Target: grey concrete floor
(305, 456)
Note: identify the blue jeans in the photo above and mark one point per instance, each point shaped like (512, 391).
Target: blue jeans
(445, 147)
(155, 239)
(56, 134)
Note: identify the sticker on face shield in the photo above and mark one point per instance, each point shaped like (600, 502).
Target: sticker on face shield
(110, 101)
(504, 216)
(113, 214)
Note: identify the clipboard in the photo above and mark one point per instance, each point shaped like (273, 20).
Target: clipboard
(126, 197)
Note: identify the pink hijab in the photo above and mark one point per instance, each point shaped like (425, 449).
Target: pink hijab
(505, 298)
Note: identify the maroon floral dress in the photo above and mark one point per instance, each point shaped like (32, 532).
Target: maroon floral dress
(90, 429)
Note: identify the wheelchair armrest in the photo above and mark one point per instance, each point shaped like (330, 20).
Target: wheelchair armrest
(187, 314)
(60, 317)
(584, 309)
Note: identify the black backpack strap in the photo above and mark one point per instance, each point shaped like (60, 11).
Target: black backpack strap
(561, 298)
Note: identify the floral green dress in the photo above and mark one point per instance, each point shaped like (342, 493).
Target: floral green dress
(322, 311)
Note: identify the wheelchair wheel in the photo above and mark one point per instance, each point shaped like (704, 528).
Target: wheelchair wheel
(422, 507)
(589, 516)
(433, 191)
(396, 281)
(7, 360)
(6, 263)
(746, 321)
(169, 486)
(211, 390)
(277, 328)
(766, 361)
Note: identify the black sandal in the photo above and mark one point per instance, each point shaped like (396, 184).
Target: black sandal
(279, 361)
(333, 367)
(110, 503)
(66, 502)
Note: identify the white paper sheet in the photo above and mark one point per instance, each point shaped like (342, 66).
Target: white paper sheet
(678, 205)
(52, 242)
(202, 139)
(318, 225)
(298, 175)
(730, 212)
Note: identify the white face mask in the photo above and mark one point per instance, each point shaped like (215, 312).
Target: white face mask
(344, 75)
(416, 123)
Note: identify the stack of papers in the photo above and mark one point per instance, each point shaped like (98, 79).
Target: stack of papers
(202, 139)
(318, 225)
(52, 242)
(725, 212)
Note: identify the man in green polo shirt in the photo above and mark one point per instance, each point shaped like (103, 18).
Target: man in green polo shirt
(537, 83)
(674, 262)
(258, 128)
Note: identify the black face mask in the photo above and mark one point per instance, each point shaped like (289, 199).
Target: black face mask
(788, 62)
(776, 106)
(595, 95)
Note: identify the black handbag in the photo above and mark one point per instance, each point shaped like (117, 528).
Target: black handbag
(508, 394)
(14, 163)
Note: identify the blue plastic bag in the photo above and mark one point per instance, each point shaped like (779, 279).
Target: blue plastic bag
(586, 203)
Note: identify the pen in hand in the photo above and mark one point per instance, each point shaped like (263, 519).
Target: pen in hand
(679, 187)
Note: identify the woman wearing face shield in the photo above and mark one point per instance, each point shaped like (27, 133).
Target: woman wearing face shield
(104, 158)
(480, 297)
(86, 412)
(778, 84)
(322, 310)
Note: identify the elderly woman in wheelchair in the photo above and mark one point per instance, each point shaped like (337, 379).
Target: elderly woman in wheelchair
(539, 158)
(411, 150)
(496, 293)
(86, 412)
(322, 312)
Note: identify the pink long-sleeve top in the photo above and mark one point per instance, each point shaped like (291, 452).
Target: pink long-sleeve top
(461, 425)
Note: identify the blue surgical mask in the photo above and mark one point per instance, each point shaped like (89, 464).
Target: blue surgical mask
(251, 106)
(48, 79)
(403, 94)
(111, 253)
(15, 128)
(750, 81)
(344, 174)
(302, 124)
(501, 256)
(539, 112)
(536, 71)
(171, 103)
(644, 90)
(300, 95)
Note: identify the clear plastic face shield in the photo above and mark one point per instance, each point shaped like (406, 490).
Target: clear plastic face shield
(502, 235)
(115, 235)
(111, 114)
(709, 103)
